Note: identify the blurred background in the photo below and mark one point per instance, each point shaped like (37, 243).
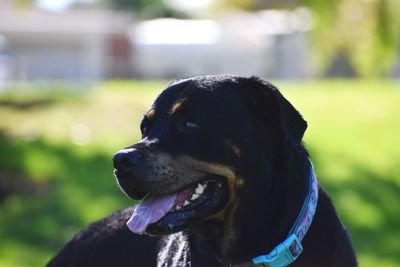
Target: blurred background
(76, 77)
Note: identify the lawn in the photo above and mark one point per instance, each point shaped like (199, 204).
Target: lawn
(56, 171)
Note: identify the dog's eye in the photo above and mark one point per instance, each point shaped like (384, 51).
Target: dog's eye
(191, 125)
(184, 126)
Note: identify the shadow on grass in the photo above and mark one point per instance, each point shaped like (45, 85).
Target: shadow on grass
(368, 204)
(27, 105)
(77, 188)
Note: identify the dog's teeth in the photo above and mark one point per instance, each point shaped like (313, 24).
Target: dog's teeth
(186, 203)
(199, 189)
(194, 196)
(178, 207)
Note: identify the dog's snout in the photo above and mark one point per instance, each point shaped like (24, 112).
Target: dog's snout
(126, 159)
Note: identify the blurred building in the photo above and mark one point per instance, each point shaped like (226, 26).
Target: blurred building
(92, 45)
(75, 45)
(81, 45)
(271, 44)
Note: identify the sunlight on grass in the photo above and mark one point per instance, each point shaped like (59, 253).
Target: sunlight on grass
(19, 254)
(370, 260)
(368, 214)
(353, 139)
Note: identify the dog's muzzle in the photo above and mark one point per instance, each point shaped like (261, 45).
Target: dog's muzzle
(126, 162)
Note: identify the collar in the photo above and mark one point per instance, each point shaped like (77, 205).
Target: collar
(287, 251)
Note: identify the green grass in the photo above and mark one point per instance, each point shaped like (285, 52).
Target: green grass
(63, 143)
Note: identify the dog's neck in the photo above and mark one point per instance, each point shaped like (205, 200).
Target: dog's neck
(251, 233)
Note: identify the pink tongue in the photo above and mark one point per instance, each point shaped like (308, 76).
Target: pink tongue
(149, 211)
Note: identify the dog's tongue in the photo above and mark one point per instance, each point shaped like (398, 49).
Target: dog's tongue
(149, 211)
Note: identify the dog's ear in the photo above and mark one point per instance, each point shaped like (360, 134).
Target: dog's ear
(271, 106)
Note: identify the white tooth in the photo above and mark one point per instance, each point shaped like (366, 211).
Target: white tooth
(178, 207)
(194, 196)
(199, 189)
(186, 203)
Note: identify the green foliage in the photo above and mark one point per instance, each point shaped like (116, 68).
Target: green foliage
(137, 4)
(244, 4)
(63, 143)
(365, 31)
(145, 9)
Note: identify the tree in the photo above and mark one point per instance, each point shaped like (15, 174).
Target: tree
(144, 9)
(131, 4)
(366, 31)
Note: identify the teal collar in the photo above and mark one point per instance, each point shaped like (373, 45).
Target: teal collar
(288, 251)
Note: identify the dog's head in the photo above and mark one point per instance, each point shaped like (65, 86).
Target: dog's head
(205, 140)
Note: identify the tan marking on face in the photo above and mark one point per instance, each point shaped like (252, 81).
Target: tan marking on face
(185, 170)
(177, 105)
(233, 147)
(229, 174)
(171, 173)
(239, 183)
(198, 169)
(225, 214)
(230, 234)
(150, 114)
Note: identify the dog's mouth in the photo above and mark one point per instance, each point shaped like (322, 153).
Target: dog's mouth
(166, 214)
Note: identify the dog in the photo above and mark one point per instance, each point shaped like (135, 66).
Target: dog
(225, 181)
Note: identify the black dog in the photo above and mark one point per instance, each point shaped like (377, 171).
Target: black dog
(225, 178)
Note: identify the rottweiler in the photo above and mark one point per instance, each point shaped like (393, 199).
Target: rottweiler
(224, 179)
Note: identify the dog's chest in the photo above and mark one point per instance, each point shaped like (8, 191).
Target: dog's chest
(174, 251)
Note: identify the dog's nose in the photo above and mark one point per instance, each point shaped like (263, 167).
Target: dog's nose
(126, 159)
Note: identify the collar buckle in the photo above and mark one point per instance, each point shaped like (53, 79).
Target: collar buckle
(282, 255)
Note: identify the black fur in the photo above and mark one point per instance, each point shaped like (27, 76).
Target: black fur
(273, 163)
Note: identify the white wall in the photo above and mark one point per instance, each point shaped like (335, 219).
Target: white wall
(56, 57)
(231, 50)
